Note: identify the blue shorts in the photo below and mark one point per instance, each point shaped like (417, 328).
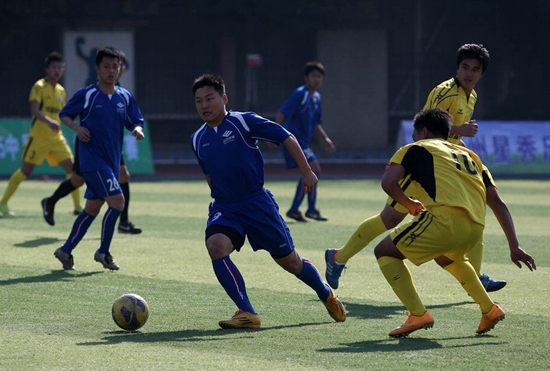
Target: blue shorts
(100, 184)
(258, 219)
(291, 163)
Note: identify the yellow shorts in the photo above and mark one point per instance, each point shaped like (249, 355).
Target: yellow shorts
(55, 150)
(441, 231)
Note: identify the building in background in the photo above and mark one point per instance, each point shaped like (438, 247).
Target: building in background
(382, 58)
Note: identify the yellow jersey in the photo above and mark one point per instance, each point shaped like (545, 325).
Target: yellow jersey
(446, 174)
(51, 100)
(450, 97)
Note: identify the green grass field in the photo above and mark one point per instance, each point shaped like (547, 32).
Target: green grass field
(56, 320)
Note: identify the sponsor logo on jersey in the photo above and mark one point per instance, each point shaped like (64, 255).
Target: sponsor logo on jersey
(229, 137)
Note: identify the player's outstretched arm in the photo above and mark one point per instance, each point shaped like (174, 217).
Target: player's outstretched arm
(518, 255)
(504, 217)
(329, 146)
(309, 179)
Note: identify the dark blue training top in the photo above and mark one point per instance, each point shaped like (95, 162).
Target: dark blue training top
(302, 113)
(105, 116)
(229, 154)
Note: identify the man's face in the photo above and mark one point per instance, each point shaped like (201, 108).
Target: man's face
(469, 73)
(210, 104)
(108, 70)
(55, 71)
(314, 80)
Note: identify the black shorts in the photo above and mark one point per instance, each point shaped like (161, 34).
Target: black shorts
(235, 237)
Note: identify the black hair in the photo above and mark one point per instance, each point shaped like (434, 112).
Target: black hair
(314, 66)
(106, 51)
(53, 57)
(209, 80)
(122, 57)
(474, 51)
(437, 121)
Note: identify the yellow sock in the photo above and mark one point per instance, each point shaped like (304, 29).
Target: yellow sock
(466, 275)
(475, 256)
(363, 235)
(75, 195)
(399, 277)
(16, 178)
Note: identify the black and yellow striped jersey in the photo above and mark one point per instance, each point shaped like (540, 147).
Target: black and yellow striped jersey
(51, 100)
(450, 97)
(446, 174)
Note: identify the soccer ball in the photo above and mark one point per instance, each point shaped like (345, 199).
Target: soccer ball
(130, 312)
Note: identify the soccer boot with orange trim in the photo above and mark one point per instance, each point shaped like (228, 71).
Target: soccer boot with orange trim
(411, 324)
(335, 307)
(490, 319)
(241, 319)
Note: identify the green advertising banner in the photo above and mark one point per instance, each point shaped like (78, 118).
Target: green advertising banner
(14, 133)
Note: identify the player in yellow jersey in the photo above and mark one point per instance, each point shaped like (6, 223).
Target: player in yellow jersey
(447, 223)
(46, 140)
(458, 97)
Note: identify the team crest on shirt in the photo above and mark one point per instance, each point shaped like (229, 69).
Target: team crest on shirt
(120, 107)
(228, 137)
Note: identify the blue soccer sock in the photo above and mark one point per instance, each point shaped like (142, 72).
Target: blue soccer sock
(233, 283)
(312, 197)
(108, 229)
(80, 227)
(298, 197)
(311, 277)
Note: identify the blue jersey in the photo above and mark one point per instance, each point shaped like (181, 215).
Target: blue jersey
(105, 116)
(302, 114)
(229, 154)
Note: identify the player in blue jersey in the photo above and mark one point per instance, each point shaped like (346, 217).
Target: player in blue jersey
(301, 115)
(76, 181)
(104, 110)
(227, 151)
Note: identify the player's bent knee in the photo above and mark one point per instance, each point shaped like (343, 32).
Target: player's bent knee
(391, 218)
(218, 246)
(292, 263)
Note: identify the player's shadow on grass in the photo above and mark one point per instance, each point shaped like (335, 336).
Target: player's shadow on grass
(53, 276)
(366, 311)
(191, 335)
(42, 241)
(37, 242)
(408, 344)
